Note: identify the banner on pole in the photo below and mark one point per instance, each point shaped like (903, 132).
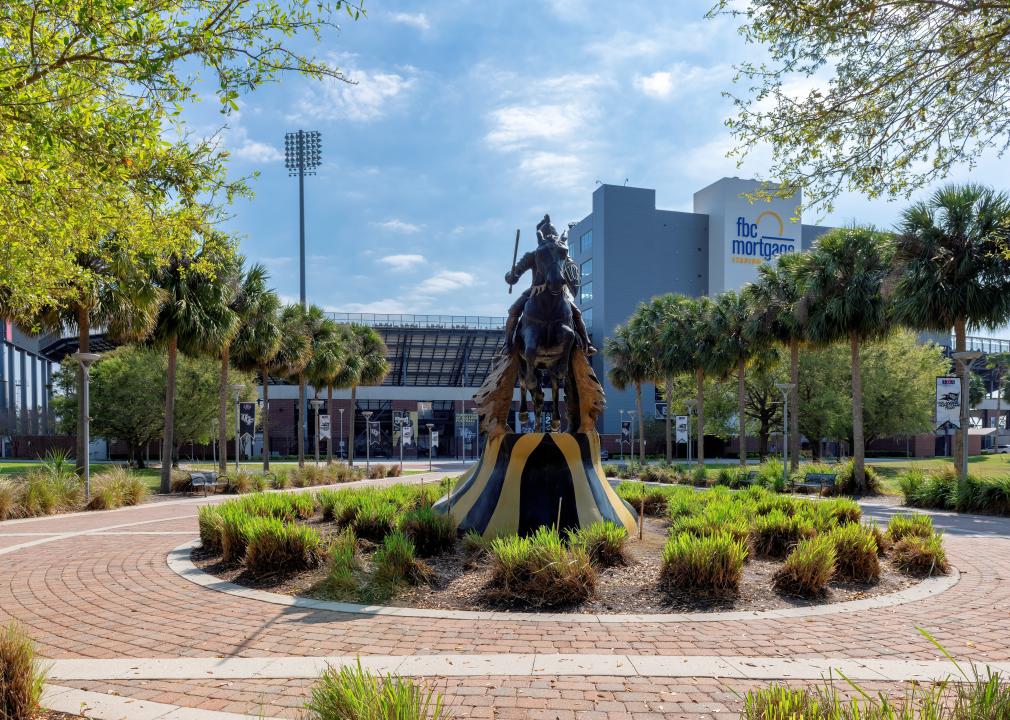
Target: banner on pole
(324, 427)
(424, 411)
(434, 438)
(682, 428)
(407, 432)
(625, 431)
(948, 402)
(661, 411)
(246, 418)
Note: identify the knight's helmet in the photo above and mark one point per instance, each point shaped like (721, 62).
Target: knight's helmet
(546, 232)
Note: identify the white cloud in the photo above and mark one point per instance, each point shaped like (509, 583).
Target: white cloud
(519, 125)
(560, 170)
(369, 95)
(399, 226)
(682, 78)
(402, 262)
(417, 20)
(386, 305)
(446, 281)
(245, 148)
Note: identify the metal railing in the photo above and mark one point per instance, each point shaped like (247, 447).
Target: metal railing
(438, 322)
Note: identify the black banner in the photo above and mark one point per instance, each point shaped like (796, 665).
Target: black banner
(247, 418)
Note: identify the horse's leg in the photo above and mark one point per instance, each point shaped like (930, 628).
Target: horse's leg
(556, 398)
(538, 407)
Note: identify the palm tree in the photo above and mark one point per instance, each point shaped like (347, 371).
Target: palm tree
(776, 301)
(844, 276)
(367, 354)
(951, 268)
(735, 344)
(259, 341)
(195, 317)
(234, 275)
(328, 360)
(293, 355)
(630, 364)
(318, 329)
(114, 291)
(339, 373)
(689, 340)
(649, 322)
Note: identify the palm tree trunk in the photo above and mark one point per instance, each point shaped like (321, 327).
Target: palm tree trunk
(741, 396)
(84, 345)
(794, 406)
(167, 443)
(302, 420)
(329, 411)
(858, 451)
(961, 439)
(266, 417)
(699, 378)
(222, 413)
(641, 424)
(669, 420)
(350, 435)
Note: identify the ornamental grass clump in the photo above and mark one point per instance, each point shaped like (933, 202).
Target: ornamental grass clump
(396, 562)
(373, 518)
(273, 546)
(474, 544)
(855, 553)
(46, 491)
(238, 483)
(845, 480)
(711, 564)
(604, 542)
(344, 561)
(235, 525)
(775, 534)
(843, 510)
(651, 500)
(808, 568)
(21, 674)
(331, 503)
(211, 528)
(919, 555)
(698, 477)
(115, 488)
(431, 532)
(540, 571)
(902, 526)
(352, 693)
(9, 492)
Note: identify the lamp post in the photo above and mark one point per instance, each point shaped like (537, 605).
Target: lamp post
(302, 155)
(621, 436)
(86, 360)
(237, 389)
(213, 440)
(316, 403)
(368, 439)
(785, 388)
(965, 358)
(690, 413)
(341, 411)
(430, 426)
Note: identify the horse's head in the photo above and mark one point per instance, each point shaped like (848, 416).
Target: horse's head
(551, 258)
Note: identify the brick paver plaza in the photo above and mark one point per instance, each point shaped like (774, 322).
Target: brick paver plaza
(99, 587)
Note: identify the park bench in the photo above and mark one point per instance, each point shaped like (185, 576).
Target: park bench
(203, 479)
(820, 481)
(750, 478)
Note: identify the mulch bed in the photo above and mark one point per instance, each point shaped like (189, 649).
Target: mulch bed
(459, 581)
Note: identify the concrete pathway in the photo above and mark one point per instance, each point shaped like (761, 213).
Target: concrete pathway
(132, 636)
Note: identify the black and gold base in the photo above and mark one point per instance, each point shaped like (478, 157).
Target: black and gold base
(522, 482)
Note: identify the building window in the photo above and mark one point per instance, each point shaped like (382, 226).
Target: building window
(587, 318)
(586, 242)
(586, 270)
(586, 293)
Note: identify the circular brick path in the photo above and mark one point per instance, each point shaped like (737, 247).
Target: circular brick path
(99, 586)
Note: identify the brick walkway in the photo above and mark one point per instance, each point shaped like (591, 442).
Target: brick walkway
(99, 586)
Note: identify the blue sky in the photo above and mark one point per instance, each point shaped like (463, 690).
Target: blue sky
(470, 118)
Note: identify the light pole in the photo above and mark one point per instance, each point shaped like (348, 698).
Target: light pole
(237, 389)
(302, 155)
(368, 439)
(213, 440)
(316, 403)
(786, 388)
(341, 411)
(690, 413)
(430, 426)
(965, 358)
(621, 436)
(86, 360)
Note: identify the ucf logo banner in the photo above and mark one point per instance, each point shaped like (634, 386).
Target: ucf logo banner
(948, 402)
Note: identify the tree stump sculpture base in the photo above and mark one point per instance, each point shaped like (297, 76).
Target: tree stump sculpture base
(526, 481)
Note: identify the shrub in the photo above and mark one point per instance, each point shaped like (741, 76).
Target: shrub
(610, 471)
(351, 693)
(115, 488)
(845, 482)
(657, 474)
(331, 502)
(769, 474)
(808, 568)
(8, 499)
(393, 471)
(778, 702)
(273, 546)
(374, 518)
(635, 494)
(211, 528)
(698, 476)
(395, 561)
(902, 526)
(280, 480)
(880, 537)
(21, 675)
(540, 571)
(474, 544)
(713, 563)
(260, 483)
(919, 555)
(376, 471)
(238, 483)
(235, 524)
(843, 510)
(855, 553)
(603, 541)
(431, 532)
(340, 580)
(725, 477)
(715, 518)
(46, 492)
(684, 503)
(180, 482)
(774, 534)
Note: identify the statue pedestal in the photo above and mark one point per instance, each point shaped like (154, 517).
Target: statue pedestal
(520, 481)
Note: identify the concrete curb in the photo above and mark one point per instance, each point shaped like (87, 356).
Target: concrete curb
(100, 706)
(179, 562)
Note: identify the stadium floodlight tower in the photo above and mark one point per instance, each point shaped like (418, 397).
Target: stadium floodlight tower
(302, 155)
